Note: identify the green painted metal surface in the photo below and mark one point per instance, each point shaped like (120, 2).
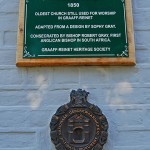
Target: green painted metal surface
(75, 28)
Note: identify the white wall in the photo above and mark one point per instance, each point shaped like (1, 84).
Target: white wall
(29, 96)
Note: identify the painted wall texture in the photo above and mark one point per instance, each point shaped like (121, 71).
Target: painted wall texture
(29, 96)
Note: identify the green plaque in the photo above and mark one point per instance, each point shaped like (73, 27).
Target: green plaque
(75, 28)
(75, 32)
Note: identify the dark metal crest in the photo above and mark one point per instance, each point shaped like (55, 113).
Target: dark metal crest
(79, 125)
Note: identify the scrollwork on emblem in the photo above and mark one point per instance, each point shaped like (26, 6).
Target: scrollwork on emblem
(54, 122)
(61, 110)
(96, 110)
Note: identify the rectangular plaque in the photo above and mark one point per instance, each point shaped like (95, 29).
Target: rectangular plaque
(75, 32)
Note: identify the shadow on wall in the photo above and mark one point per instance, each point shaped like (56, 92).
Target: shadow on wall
(119, 92)
(110, 90)
(36, 98)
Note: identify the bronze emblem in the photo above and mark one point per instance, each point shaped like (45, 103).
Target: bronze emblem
(79, 125)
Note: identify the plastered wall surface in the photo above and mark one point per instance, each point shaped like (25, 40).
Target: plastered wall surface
(30, 96)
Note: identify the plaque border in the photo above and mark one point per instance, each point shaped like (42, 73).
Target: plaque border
(33, 62)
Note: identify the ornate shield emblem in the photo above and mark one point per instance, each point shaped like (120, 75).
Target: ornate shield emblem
(79, 125)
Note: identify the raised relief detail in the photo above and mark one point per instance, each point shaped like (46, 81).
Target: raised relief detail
(79, 125)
